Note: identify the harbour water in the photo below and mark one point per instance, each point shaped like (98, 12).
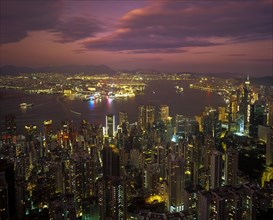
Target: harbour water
(57, 108)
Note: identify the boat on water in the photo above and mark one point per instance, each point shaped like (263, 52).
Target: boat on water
(120, 95)
(179, 89)
(26, 105)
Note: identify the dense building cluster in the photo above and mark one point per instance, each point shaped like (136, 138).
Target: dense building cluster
(156, 168)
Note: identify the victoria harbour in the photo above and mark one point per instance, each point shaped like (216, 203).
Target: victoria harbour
(58, 108)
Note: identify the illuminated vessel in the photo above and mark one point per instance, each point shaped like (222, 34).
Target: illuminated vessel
(179, 89)
(26, 105)
(120, 95)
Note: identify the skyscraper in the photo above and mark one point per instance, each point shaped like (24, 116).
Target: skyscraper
(110, 126)
(270, 111)
(257, 117)
(231, 167)
(123, 118)
(215, 169)
(176, 184)
(163, 113)
(111, 186)
(48, 129)
(146, 116)
(123, 121)
(245, 103)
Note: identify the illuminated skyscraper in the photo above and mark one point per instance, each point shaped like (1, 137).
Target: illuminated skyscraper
(146, 116)
(110, 126)
(176, 184)
(123, 118)
(181, 125)
(211, 123)
(244, 108)
(123, 121)
(48, 129)
(163, 113)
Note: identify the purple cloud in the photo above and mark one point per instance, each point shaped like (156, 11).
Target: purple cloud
(178, 24)
(76, 28)
(19, 18)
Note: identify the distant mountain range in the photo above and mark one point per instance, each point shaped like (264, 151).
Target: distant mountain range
(71, 69)
(104, 69)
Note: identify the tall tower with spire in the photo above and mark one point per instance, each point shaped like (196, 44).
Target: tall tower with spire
(245, 103)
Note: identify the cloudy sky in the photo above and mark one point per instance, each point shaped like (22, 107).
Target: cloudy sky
(197, 36)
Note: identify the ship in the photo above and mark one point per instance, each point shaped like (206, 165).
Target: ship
(26, 105)
(120, 95)
(179, 89)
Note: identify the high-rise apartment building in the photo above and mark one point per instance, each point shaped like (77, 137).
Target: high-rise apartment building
(176, 184)
(231, 167)
(215, 169)
(111, 187)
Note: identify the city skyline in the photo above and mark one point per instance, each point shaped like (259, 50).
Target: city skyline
(163, 35)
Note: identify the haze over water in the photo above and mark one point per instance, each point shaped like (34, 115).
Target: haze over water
(189, 103)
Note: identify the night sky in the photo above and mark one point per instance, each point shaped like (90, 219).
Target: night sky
(195, 36)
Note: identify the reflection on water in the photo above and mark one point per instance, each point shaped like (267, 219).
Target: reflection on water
(92, 104)
(189, 103)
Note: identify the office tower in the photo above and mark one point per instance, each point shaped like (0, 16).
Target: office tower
(244, 107)
(163, 113)
(181, 126)
(215, 169)
(146, 116)
(193, 128)
(176, 184)
(170, 130)
(110, 126)
(123, 118)
(210, 122)
(231, 167)
(257, 117)
(48, 129)
(222, 114)
(123, 122)
(240, 123)
(67, 135)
